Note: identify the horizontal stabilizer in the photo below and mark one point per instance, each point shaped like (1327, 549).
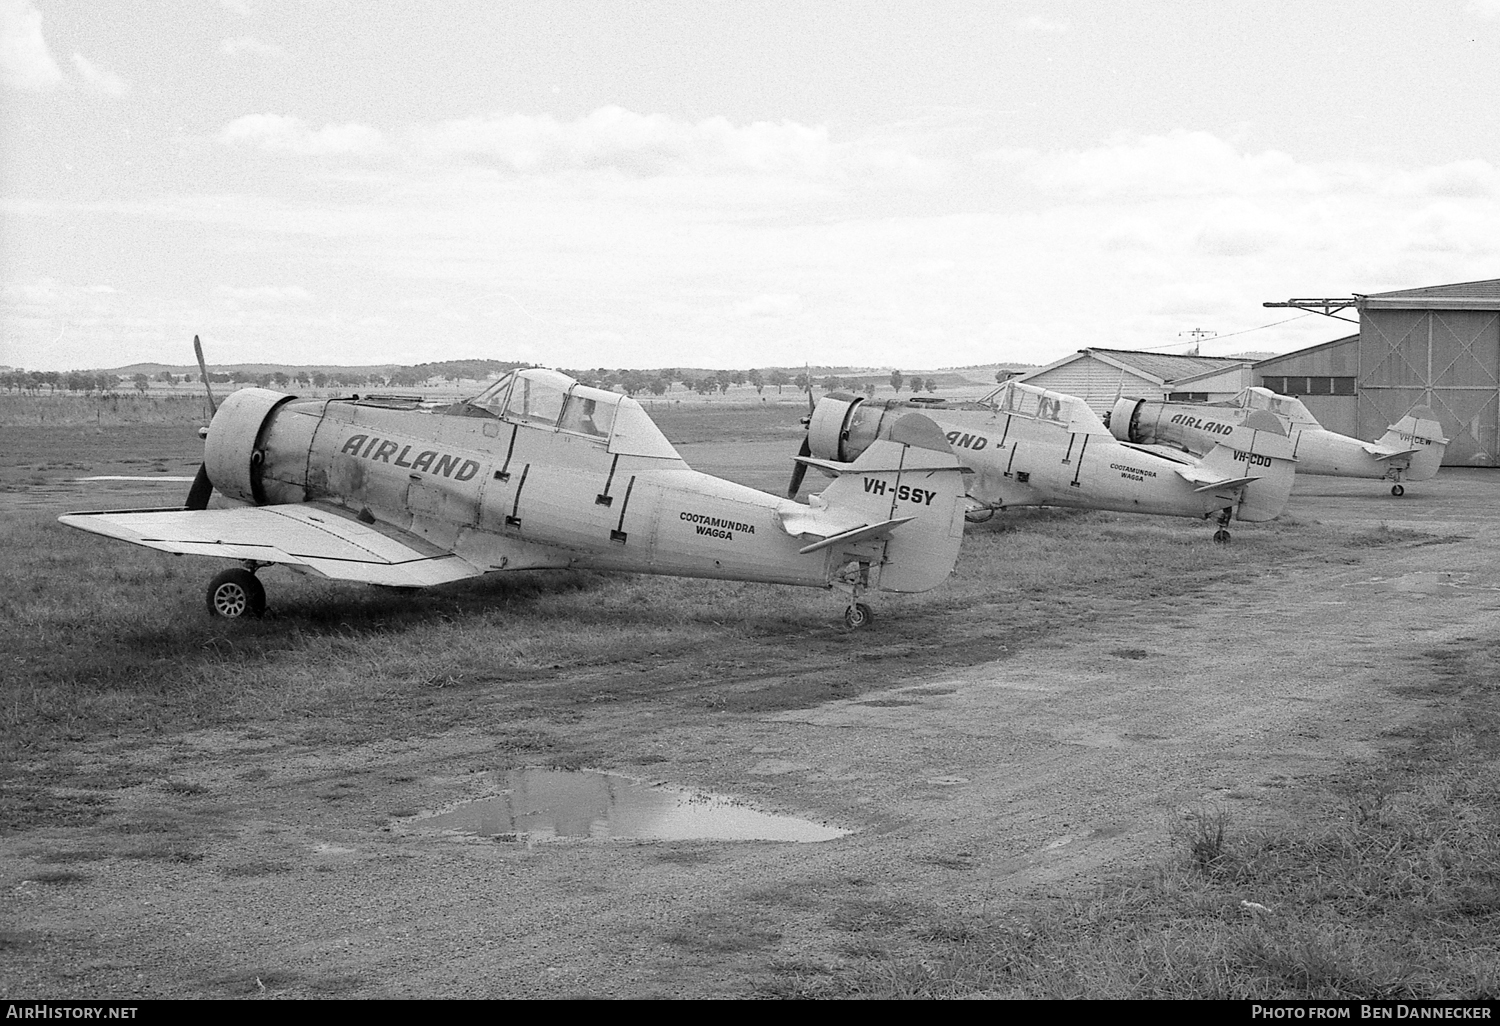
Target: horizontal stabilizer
(1381, 452)
(1228, 482)
(857, 534)
(318, 537)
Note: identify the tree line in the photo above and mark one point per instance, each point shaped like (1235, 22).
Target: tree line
(632, 382)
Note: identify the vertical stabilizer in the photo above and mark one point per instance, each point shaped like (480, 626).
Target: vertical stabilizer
(913, 474)
(1418, 430)
(1258, 448)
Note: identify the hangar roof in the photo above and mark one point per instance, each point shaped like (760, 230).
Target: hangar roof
(1467, 295)
(1346, 340)
(1162, 366)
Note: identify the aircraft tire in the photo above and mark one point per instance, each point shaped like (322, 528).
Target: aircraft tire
(1221, 536)
(1398, 491)
(858, 615)
(236, 593)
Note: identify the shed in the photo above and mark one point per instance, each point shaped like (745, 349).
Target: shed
(1100, 376)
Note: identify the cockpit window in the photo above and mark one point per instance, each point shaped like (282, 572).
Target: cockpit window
(537, 397)
(1023, 400)
(1286, 406)
(590, 411)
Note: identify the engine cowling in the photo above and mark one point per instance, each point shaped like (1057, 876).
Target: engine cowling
(1124, 419)
(233, 452)
(828, 430)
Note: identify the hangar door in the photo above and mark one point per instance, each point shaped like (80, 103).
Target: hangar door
(1449, 359)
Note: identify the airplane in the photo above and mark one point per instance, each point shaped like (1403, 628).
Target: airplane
(1410, 450)
(537, 471)
(1028, 446)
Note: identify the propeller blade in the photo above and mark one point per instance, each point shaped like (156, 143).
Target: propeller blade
(799, 470)
(200, 491)
(213, 407)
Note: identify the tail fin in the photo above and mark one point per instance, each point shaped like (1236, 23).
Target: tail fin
(1257, 456)
(1419, 434)
(912, 486)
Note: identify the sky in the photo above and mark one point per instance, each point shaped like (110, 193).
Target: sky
(586, 183)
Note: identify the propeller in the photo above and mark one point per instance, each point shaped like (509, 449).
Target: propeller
(202, 487)
(799, 470)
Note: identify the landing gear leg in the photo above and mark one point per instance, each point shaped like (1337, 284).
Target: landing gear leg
(1221, 536)
(853, 580)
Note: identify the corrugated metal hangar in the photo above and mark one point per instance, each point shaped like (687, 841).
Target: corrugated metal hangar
(1437, 346)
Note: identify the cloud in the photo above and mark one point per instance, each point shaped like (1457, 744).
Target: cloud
(1483, 8)
(638, 144)
(25, 62)
(1046, 26)
(97, 79)
(264, 294)
(1464, 178)
(610, 139)
(274, 133)
(1179, 164)
(249, 45)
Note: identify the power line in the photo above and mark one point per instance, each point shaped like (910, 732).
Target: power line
(1215, 338)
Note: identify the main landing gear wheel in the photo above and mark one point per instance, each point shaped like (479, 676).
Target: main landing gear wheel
(236, 593)
(1221, 536)
(1397, 491)
(858, 615)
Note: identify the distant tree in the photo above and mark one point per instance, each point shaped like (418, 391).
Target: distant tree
(723, 379)
(141, 382)
(832, 382)
(870, 388)
(896, 379)
(756, 379)
(319, 379)
(803, 382)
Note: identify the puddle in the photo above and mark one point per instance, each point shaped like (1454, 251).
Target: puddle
(545, 804)
(1426, 583)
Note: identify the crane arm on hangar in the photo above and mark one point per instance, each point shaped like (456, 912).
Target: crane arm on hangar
(1326, 307)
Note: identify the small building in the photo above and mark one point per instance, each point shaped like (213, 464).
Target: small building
(1100, 376)
(1437, 346)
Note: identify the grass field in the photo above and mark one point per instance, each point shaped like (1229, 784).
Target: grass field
(1391, 888)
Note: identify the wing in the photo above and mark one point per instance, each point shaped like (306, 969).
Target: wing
(321, 538)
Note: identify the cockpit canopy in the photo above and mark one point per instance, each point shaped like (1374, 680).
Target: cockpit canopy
(550, 400)
(1019, 399)
(1282, 405)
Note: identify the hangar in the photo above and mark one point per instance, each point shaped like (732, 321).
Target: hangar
(1438, 346)
(1100, 376)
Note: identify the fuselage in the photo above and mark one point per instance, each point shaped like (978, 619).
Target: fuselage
(1031, 447)
(1198, 426)
(564, 476)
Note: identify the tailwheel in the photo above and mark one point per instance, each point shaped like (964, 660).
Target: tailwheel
(858, 615)
(1221, 536)
(1397, 491)
(236, 593)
